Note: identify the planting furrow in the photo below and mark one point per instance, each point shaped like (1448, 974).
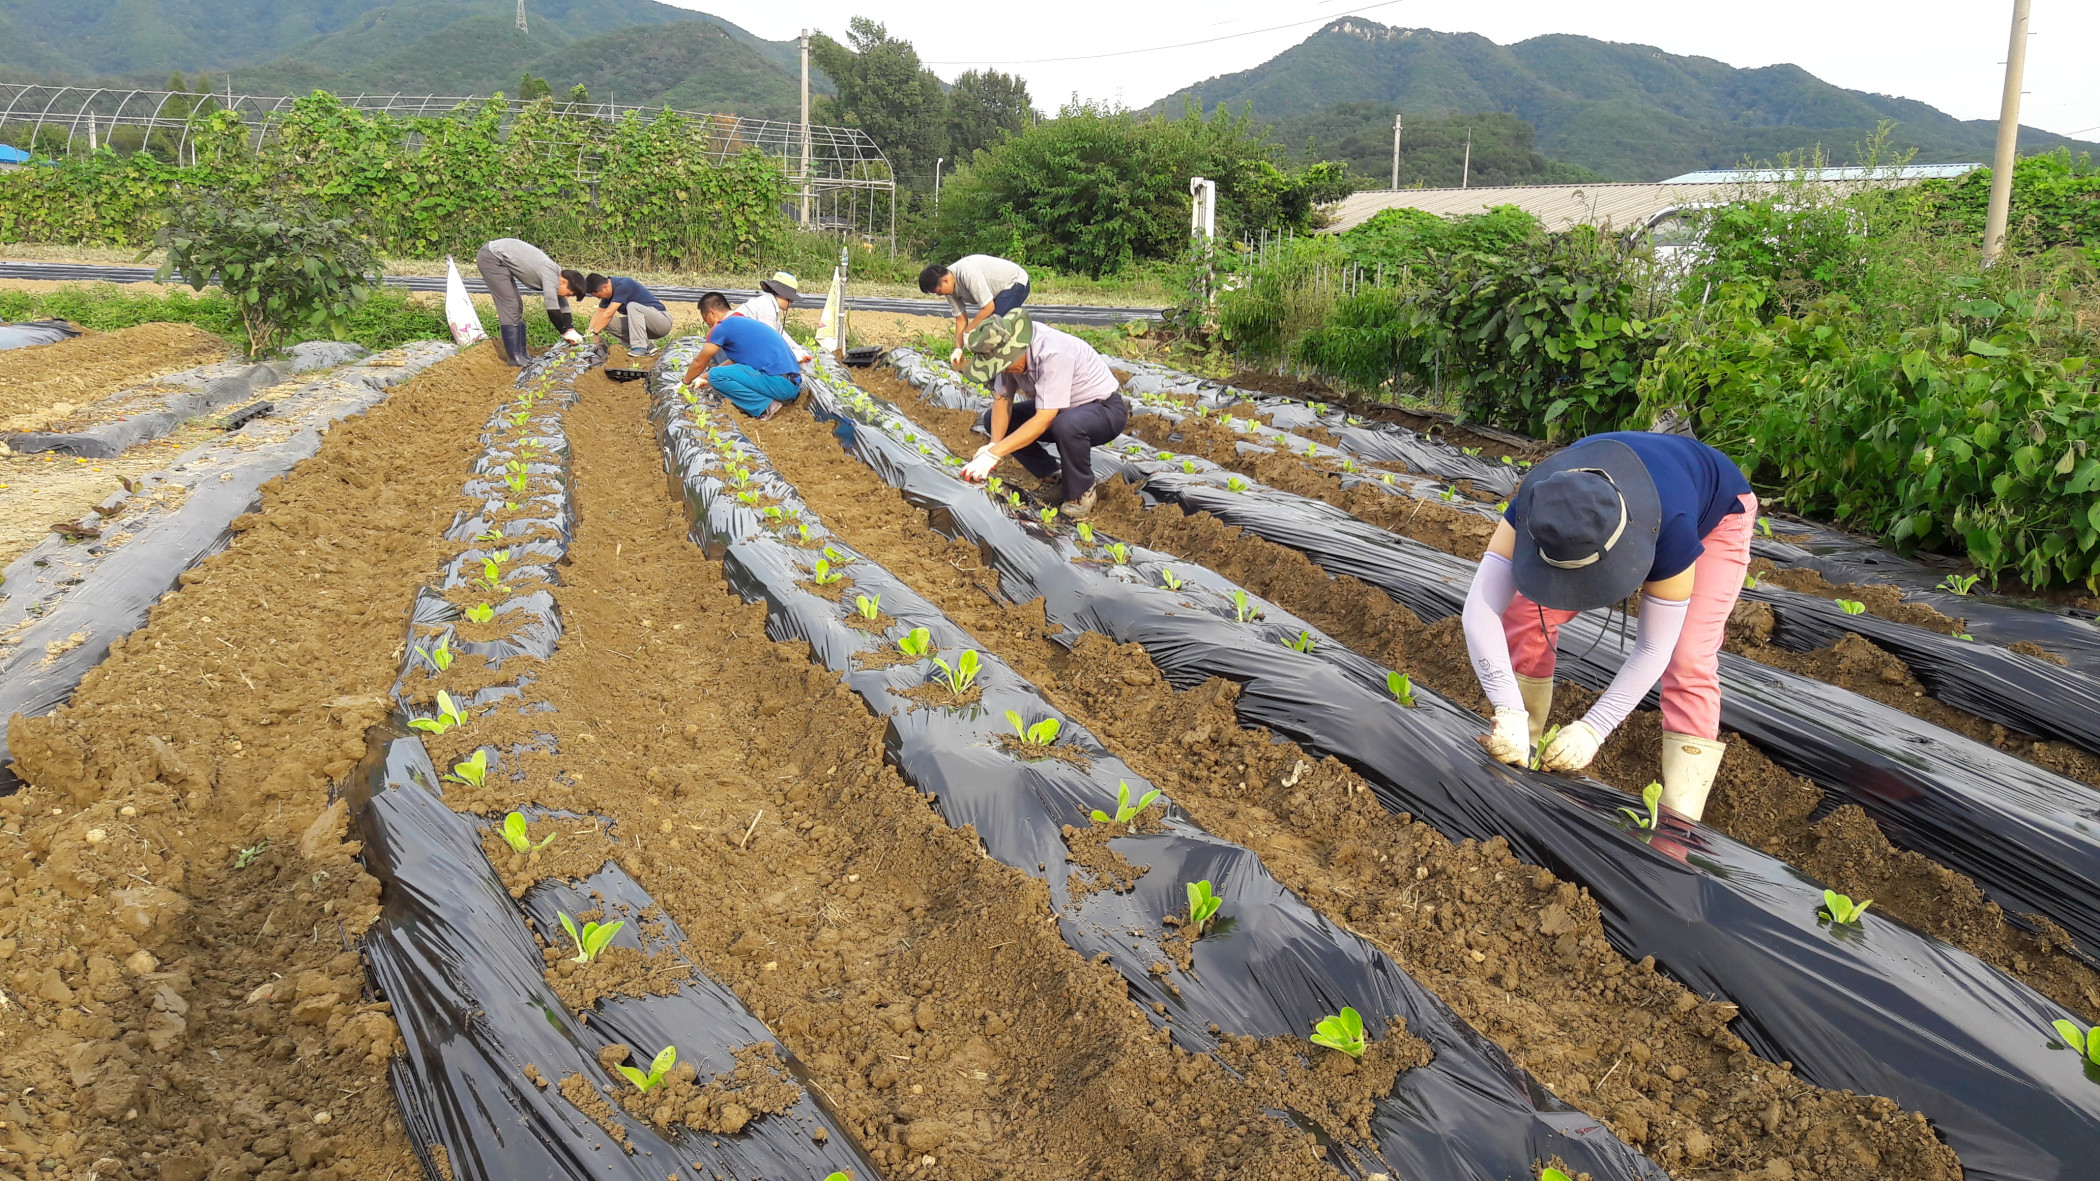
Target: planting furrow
(503, 1075)
(1273, 967)
(1722, 917)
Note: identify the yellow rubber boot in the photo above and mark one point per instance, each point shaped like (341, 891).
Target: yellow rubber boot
(1538, 702)
(1689, 765)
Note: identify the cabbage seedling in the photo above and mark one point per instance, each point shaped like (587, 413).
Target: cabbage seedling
(1120, 552)
(1189, 466)
(748, 498)
(1349, 465)
(993, 485)
(916, 643)
(480, 613)
(2084, 1042)
(492, 535)
(963, 674)
(658, 1067)
(1135, 449)
(1319, 407)
(1538, 756)
(1235, 484)
(1312, 450)
(1960, 584)
(1403, 692)
(448, 716)
(738, 477)
(837, 558)
(1043, 733)
(1343, 1031)
(514, 835)
(1013, 499)
(802, 532)
(589, 941)
(472, 771)
(1304, 642)
(869, 606)
(825, 575)
(1125, 813)
(1651, 795)
(1241, 610)
(1048, 515)
(1447, 495)
(1203, 906)
(1387, 477)
(1166, 455)
(1086, 533)
(1842, 910)
(441, 656)
(1166, 575)
(1851, 606)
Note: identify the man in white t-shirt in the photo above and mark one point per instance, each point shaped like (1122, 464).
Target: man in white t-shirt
(993, 285)
(769, 307)
(1068, 398)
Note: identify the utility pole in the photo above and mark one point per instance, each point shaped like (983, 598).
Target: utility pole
(521, 17)
(937, 160)
(2008, 137)
(805, 127)
(1396, 149)
(1465, 177)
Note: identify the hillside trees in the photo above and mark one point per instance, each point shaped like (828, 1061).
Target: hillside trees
(884, 91)
(984, 107)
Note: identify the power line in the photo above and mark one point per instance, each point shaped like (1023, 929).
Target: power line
(1087, 57)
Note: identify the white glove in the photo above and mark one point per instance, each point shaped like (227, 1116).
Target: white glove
(955, 359)
(1571, 749)
(1510, 741)
(979, 469)
(573, 336)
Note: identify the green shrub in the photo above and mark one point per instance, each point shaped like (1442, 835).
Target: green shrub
(1406, 237)
(2055, 202)
(286, 268)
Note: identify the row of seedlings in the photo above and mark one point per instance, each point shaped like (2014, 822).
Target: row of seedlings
(1212, 948)
(1874, 1008)
(490, 944)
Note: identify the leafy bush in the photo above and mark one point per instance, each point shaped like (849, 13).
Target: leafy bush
(1802, 247)
(2055, 202)
(286, 268)
(1406, 237)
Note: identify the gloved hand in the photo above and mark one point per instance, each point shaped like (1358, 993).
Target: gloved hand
(979, 469)
(1571, 749)
(1510, 741)
(955, 358)
(573, 336)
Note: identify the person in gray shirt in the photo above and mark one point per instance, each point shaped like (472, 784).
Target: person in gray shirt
(508, 264)
(995, 286)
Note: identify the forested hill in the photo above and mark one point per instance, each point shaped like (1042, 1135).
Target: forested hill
(1631, 112)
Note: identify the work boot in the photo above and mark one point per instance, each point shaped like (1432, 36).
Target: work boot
(1538, 702)
(1689, 765)
(1078, 509)
(514, 353)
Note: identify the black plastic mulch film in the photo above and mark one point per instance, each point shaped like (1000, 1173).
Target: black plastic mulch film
(1879, 1010)
(1273, 967)
(455, 954)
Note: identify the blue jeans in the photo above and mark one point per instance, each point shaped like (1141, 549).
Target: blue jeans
(1010, 299)
(751, 391)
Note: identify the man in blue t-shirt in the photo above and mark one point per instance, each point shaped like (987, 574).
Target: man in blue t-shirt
(745, 361)
(622, 298)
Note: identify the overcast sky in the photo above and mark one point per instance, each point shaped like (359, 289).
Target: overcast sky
(1945, 52)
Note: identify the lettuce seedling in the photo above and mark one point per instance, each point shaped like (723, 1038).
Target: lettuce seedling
(1235, 484)
(1125, 813)
(514, 835)
(1960, 584)
(738, 477)
(589, 941)
(1242, 611)
(1842, 910)
(802, 532)
(1135, 449)
(993, 485)
(1203, 906)
(480, 613)
(1447, 495)
(1538, 755)
(1318, 407)
(1343, 1031)
(1120, 552)
(1043, 733)
(1349, 465)
(1750, 581)
(869, 606)
(825, 575)
(521, 418)
(1086, 533)
(472, 771)
(1166, 575)
(1387, 477)
(837, 558)
(1403, 692)
(1166, 455)
(1312, 450)
(1189, 466)
(748, 498)
(440, 656)
(1764, 526)
(448, 716)
(2083, 1041)
(1851, 606)
(1048, 515)
(1651, 795)
(1304, 642)
(658, 1067)
(1013, 499)
(916, 643)
(963, 674)
(489, 536)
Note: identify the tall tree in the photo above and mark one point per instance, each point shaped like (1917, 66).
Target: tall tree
(884, 91)
(984, 107)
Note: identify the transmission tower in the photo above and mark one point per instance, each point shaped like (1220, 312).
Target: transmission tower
(521, 17)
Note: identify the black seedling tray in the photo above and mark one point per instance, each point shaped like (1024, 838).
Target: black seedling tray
(626, 374)
(246, 415)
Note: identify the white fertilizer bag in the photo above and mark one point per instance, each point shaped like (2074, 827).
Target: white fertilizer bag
(459, 309)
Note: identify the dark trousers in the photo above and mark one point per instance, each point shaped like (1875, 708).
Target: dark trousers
(1075, 432)
(1010, 299)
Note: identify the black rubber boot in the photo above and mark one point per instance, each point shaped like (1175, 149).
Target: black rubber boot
(514, 345)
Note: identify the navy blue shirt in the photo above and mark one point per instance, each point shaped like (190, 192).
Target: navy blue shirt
(1696, 485)
(745, 341)
(627, 291)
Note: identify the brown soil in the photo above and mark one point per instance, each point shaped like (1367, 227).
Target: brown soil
(95, 365)
(214, 1013)
(1517, 953)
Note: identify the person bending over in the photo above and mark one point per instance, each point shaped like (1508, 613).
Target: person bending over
(1071, 402)
(507, 264)
(994, 285)
(745, 361)
(1613, 514)
(621, 298)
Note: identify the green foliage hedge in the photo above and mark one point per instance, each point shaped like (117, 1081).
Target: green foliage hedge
(388, 318)
(2055, 202)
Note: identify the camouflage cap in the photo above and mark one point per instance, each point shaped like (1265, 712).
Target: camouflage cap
(994, 344)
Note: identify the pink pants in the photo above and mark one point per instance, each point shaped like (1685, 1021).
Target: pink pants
(1691, 685)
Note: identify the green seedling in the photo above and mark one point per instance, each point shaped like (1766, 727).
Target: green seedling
(1502, 506)
(1764, 526)
(1241, 611)
(1549, 1173)
(1842, 910)
(1048, 515)
(1448, 495)
(1851, 606)
(1120, 552)
(1304, 642)
(1964, 636)
(1401, 688)
(1538, 756)
(449, 715)
(1343, 1031)
(514, 835)
(962, 674)
(480, 613)
(440, 656)
(1013, 499)
(472, 771)
(772, 513)
(1203, 906)
(1189, 466)
(1312, 450)
(489, 536)
(1043, 733)
(1319, 407)
(1235, 484)
(512, 505)
(1508, 459)
(247, 856)
(1134, 448)
(1750, 581)
(520, 418)
(589, 941)
(1651, 795)
(1166, 575)
(869, 606)
(1960, 584)
(1166, 455)
(1125, 813)
(802, 532)
(738, 477)
(492, 572)
(2085, 1042)
(1470, 450)
(1086, 533)
(993, 485)
(916, 643)
(1349, 465)
(658, 1067)
(1387, 478)
(1282, 440)
(748, 498)
(515, 482)
(825, 575)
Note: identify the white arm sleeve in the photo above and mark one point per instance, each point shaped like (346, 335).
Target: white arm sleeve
(1662, 621)
(1490, 595)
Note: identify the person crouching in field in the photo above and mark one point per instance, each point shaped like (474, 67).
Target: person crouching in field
(744, 360)
(1071, 402)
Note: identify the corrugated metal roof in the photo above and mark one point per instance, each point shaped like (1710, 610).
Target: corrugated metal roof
(1886, 172)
